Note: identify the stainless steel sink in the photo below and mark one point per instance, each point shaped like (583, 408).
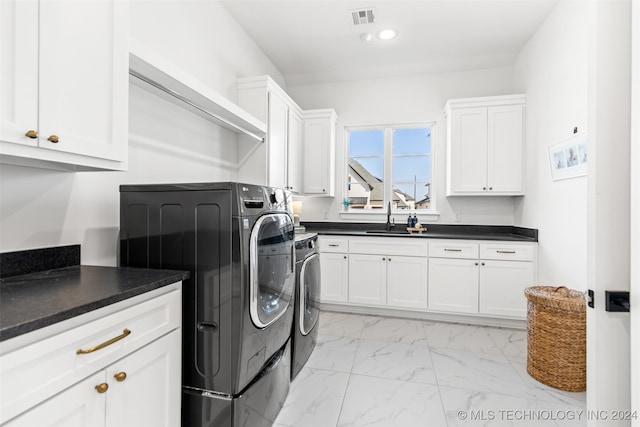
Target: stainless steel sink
(387, 232)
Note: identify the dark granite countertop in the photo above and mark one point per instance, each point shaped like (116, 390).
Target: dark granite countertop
(433, 231)
(34, 300)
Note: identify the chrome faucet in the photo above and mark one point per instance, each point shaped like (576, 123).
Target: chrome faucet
(389, 216)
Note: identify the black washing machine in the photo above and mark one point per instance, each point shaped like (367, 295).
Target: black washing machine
(307, 300)
(237, 241)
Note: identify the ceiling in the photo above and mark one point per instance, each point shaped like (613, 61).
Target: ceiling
(316, 41)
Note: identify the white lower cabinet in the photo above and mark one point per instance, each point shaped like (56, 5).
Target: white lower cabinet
(334, 268)
(77, 406)
(451, 276)
(141, 390)
(148, 394)
(388, 272)
(502, 285)
(334, 276)
(482, 278)
(394, 281)
(407, 282)
(367, 279)
(453, 285)
(121, 368)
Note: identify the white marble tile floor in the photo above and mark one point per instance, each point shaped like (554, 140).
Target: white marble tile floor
(388, 372)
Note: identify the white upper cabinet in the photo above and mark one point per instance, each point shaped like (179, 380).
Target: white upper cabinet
(319, 152)
(276, 162)
(299, 151)
(277, 141)
(294, 169)
(64, 84)
(485, 146)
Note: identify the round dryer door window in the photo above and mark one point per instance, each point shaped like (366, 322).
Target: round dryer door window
(309, 310)
(272, 265)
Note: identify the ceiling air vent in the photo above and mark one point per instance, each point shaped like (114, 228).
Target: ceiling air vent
(362, 16)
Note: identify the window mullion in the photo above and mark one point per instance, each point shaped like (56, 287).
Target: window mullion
(388, 162)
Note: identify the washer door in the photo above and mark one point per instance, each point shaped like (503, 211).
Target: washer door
(272, 268)
(309, 294)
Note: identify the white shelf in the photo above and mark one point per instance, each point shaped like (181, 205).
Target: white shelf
(162, 78)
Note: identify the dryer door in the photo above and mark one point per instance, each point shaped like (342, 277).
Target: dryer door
(272, 268)
(309, 294)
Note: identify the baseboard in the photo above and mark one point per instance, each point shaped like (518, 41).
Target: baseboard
(468, 319)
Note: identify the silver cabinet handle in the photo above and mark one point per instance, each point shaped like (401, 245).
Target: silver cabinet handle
(506, 252)
(452, 250)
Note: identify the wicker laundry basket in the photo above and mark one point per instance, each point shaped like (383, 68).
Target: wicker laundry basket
(556, 337)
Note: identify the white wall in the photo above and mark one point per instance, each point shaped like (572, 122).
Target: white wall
(41, 208)
(552, 71)
(406, 100)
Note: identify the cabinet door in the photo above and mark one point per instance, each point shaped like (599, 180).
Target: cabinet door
(407, 282)
(83, 77)
(18, 71)
(144, 387)
(453, 285)
(334, 276)
(468, 150)
(78, 406)
(277, 141)
(319, 155)
(368, 279)
(505, 149)
(294, 158)
(502, 285)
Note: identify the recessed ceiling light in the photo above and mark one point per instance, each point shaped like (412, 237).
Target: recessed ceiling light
(387, 34)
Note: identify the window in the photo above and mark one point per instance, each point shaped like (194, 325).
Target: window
(389, 164)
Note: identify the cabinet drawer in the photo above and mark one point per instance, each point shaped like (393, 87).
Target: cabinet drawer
(402, 246)
(35, 372)
(333, 244)
(508, 251)
(453, 249)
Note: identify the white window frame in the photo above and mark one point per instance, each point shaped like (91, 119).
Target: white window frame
(423, 214)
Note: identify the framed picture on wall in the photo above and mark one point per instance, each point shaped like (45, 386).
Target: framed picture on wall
(568, 158)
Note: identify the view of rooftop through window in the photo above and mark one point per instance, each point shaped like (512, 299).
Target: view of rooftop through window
(389, 164)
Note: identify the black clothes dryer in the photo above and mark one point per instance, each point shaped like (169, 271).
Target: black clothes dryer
(237, 241)
(304, 334)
